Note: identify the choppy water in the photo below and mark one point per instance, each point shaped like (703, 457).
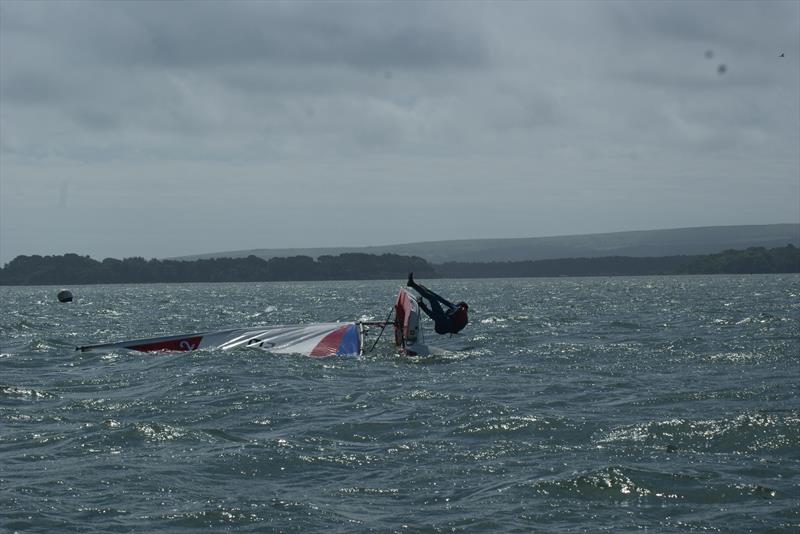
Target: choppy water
(603, 404)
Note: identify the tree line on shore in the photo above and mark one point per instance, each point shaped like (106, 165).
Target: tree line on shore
(75, 269)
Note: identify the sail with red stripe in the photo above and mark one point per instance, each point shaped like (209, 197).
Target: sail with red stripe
(407, 332)
(318, 340)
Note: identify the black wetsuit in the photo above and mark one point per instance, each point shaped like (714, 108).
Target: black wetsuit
(451, 321)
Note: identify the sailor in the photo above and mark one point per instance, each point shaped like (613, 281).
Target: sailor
(451, 321)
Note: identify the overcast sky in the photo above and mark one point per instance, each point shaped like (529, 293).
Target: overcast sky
(161, 129)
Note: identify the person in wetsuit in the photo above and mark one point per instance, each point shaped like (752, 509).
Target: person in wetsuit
(451, 321)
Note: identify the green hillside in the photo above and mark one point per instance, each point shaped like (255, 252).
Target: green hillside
(649, 243)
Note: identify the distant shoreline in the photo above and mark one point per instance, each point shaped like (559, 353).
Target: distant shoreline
(72, 269)
(632, 243)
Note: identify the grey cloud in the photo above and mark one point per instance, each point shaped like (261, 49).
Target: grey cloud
(198, 67)
(658, 20)
(96, 119)
(515, 108)
(26, 87)
(199, 34)
(731, 25)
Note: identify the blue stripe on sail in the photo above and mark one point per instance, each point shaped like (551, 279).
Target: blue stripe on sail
(351, 342)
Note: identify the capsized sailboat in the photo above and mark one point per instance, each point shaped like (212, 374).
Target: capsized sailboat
(317, 340)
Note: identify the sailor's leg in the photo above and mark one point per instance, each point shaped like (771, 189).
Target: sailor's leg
(436, 312)
(423, 291)
(420, 289)
(433, 297)
(424, 308)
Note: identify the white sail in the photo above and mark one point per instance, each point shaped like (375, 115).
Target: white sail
(407, 331)
(318, 340)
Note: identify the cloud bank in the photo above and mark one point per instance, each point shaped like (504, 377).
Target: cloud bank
(163, 129)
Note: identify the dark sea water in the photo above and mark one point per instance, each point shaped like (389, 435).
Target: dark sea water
(667, 404)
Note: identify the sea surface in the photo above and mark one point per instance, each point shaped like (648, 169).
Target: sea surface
(666, 404)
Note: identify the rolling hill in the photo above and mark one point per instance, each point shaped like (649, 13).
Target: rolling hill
(646, 243)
